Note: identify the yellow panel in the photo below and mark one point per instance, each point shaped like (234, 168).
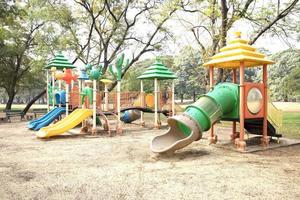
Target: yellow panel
(238, 40)
(237, 46)
(237, 52)
(234, 62)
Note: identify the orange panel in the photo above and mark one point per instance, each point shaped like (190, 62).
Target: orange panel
(248, 87)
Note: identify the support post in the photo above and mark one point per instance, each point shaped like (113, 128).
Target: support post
(265, 139)
(53, 86)
(158, 103)
(47, 91)
(155, 103)
(212, 137)
(79, 92)
(59, 89)
(142, 103)
(173, 97)
(240, 143)
(106, 97)
(119, 129)
(94, 106)
(234, 134)
(67, 99)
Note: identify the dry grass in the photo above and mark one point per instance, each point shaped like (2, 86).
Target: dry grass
(122, 167)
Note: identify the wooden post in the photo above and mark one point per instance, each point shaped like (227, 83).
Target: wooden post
(94, 106)
(47, 91)
(212, 138)
(265, 139)
(155, 103)
(142, 103)
(241, 144)
(173, 97)
(234, 134)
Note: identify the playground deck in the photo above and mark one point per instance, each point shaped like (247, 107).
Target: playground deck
(122, 167)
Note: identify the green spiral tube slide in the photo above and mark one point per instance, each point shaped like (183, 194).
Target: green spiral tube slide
(222, 101)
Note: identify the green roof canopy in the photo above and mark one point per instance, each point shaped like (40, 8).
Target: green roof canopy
(60, 62)
(157, 70)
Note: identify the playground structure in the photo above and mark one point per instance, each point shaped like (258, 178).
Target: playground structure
(157, 72)
(86, 102)
(246, 103)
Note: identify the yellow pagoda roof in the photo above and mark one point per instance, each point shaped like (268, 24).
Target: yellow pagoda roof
(237, 51)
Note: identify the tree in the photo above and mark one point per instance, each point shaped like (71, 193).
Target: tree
(218, 17)
(191, 75)
(17, 40)
(292, 82)
(281, 75)
(115, 26)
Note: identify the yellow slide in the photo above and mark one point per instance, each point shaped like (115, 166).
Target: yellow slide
(65, 124)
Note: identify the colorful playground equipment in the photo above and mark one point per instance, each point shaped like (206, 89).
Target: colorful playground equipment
(245, 103)
(58, 97)
(157, 72)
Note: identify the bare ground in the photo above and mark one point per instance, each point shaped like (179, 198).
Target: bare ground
(122, 167)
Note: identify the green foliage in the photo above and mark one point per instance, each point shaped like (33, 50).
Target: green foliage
(293, 81)
(130, 81)
(191, 74)
(282, 76)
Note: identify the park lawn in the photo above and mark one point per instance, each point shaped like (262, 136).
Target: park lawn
(22, 106)
(291, 124)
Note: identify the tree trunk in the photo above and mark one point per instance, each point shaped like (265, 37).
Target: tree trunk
(181, 98)
(224, 13)
(9, 103)
(32, 102)
(194, 96)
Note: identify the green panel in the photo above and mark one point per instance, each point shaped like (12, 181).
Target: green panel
(60, 62)
(158, 70)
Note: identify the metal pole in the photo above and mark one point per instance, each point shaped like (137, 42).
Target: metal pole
(94, 105)
(212, 139)
(142, 103)
(47, 91)
(241, 143)
(234, 135)
(53, 86)
(265, 139)
(119, 99)
(173, 97)
(79, 92)
(155, 103)
(106, 97)
(67, 99)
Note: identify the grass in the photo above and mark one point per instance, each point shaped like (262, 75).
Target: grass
(291, 124)
(22, 106)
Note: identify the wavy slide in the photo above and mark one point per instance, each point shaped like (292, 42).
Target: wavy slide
(197, 118)
(69, 122)
(46, 119)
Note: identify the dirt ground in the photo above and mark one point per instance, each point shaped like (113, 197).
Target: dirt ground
(122, 167)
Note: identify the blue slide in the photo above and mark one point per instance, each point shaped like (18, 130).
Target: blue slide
(46, 119)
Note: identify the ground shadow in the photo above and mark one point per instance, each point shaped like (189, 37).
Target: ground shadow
(181, 155)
